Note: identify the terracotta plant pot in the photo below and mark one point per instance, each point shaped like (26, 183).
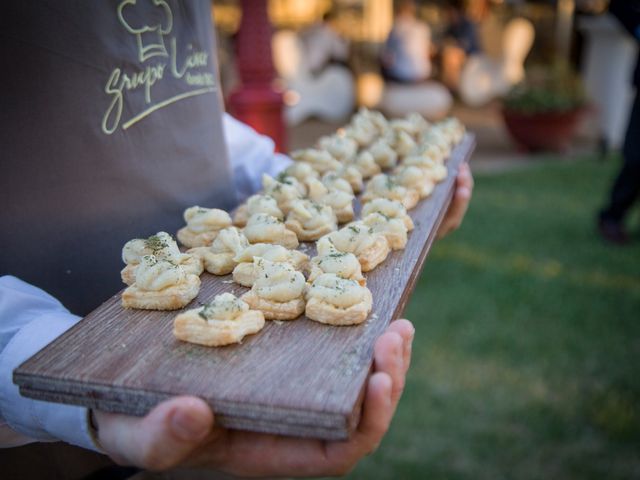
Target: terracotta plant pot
(543, 131)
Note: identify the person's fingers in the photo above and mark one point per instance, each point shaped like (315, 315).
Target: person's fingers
(376, 414)
(161, 439)
(460, 202)
(388, 358)
(465, 178)
(407, 331)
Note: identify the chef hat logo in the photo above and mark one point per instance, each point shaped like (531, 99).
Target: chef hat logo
(149, 21)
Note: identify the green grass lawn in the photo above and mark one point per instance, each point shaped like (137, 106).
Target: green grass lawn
(526, 360)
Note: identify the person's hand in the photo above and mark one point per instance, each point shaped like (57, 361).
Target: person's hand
(182, 430)
(460, 202)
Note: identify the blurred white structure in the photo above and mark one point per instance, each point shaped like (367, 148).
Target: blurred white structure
(484, 78)
(328, 95)
(430, 99)
(609, 58)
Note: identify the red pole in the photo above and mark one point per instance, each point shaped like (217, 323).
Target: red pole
(256, 102)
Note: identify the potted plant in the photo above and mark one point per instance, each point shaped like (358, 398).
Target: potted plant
(544, 112)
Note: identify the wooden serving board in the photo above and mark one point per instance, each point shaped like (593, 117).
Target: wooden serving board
(297, 378)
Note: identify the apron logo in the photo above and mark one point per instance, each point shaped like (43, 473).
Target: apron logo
(150, 34)
(150, 30)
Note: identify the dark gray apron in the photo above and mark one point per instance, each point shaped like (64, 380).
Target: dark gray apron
(110, 127)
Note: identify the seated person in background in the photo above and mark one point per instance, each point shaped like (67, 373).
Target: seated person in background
(461, 41)
(406, 53)
(323, 45)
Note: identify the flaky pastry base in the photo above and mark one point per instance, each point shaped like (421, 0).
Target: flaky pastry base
(190, 327)
(305, 235)
(396, 240)
(215, 263)
(345, 214)
(275, 310)
(170, 298)
(241, 215)
(193, 265)
(324, 312)
(244, 274)
(190, 239)
(374, 255)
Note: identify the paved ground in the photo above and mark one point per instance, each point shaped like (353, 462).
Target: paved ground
(495, 151)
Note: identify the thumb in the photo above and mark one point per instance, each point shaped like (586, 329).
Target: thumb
(160, 440)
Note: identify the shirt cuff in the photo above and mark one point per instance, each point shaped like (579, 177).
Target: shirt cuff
(42, 421)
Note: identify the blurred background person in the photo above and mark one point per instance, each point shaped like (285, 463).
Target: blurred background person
(461, 41)
(626, 187)
(406, 55)
(323, 45)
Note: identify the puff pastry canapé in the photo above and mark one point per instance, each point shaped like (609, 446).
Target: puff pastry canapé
(337, 301)
(257, 204)
(284, 189)
(310, 220)
(369, 247)
(301, 171)
(384, 186)
(383, 154)
(414, 178)
(223, 321)
(219, 258)
(203, 225)
(163, 247)
(366, 164)
(246, 272)
(263, 228)
(393, 229)
(434, 170)
(389, 208)
(340, 201)
(278, 291)
(339, 146)
(320, 160)
(160, 285)
(343, 264)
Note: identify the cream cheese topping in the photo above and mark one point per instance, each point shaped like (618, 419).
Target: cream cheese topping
(312, 215)
(339, 146)
(268, 251)
(223, 307)
(161, 245)
(262, 228)
(229, 240)
(278, 282)
(264, 204)
(201, 219)
(336, 291)
(154, 275)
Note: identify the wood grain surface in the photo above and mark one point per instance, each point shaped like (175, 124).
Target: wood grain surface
(298, 378)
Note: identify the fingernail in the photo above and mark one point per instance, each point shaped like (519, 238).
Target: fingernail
(187, 426)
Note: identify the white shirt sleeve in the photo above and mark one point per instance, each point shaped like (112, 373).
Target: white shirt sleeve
(29, 320)
(251, 154)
